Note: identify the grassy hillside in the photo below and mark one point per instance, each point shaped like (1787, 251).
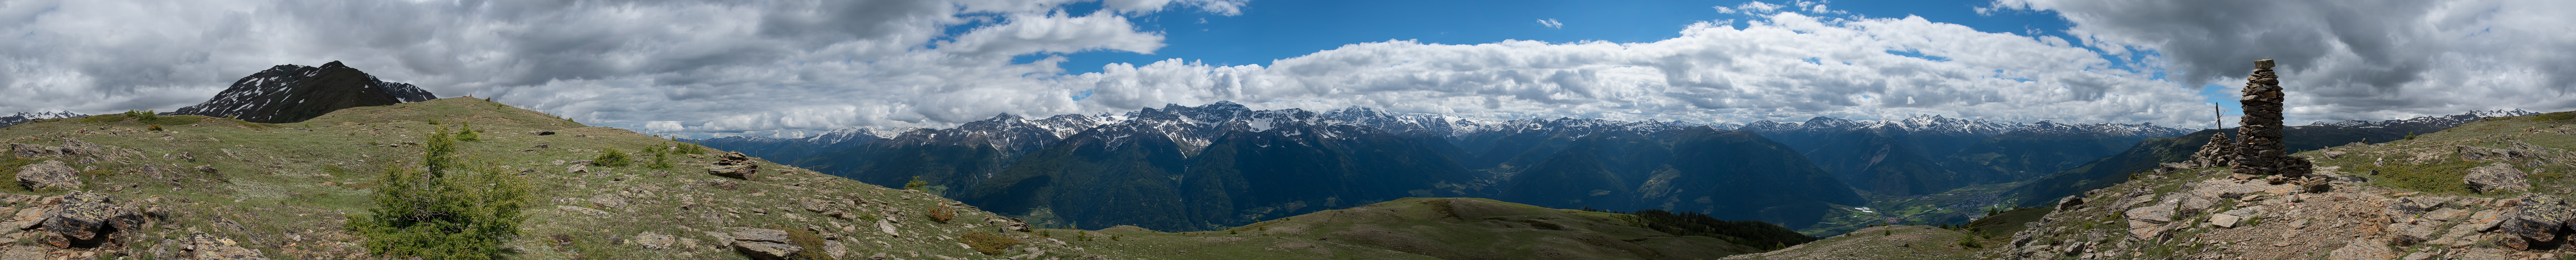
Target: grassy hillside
(288, 189)
(1415, 228)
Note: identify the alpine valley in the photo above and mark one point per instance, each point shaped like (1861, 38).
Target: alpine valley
(1222, 165)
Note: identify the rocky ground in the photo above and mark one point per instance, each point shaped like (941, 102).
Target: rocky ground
(213, 188)
(2486, 190)
(1880, 242)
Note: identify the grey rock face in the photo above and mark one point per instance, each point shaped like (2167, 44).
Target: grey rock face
(2496, 177)
(50, 174)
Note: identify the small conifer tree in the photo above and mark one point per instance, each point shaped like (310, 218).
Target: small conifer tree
(610, 157)
(466, 132)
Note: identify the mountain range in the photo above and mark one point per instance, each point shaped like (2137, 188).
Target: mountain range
(24, 117)
(1222, 164)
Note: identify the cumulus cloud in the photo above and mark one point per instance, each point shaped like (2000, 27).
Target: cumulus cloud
(697, 66)
(1551, 23)
(748, 68)
(1750, 8)
(1785, 65)
(2340, 59)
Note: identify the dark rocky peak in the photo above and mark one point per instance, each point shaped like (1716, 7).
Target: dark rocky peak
(291, 93)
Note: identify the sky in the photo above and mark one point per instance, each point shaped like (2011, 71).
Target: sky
(715, 68)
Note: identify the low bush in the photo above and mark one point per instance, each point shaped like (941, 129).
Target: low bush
(610, 157)
(661, 161)
(689, 148)
(941, 213)
(444, 209)
(990, 244)
(465, 132)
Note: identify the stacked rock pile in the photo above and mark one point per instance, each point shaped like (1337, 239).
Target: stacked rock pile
(2263, 152)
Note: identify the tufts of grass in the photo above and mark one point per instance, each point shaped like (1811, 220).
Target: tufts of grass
(991, 244)
(2554, 116)
(814, 244)
(2441, 177)
(9, 166)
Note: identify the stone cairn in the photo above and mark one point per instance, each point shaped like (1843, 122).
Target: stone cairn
(2262, 152)
(2221, 151)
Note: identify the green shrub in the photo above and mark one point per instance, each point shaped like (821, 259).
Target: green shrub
(610, 157)
(465, 132)
(1970, 242)
(443, 210)
(661, 161)
(689, 148)
(991, 244)
(915, 184)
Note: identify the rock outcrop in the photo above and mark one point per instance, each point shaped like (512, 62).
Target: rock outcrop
(2264, 151)
(50, 174)
(2536, 220)
(768, 244)
(2496, 177)
(734, 165)
(85, 220)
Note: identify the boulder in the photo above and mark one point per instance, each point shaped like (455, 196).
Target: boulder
(85, 219)
(202, 246)
(654, 240)
(2225, 220)
(887, 227)
(763, 243)
(2363, 250)
(2496, 177)
(49, 174)
(2536, 221)
(734, 165)
(2070, 203)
